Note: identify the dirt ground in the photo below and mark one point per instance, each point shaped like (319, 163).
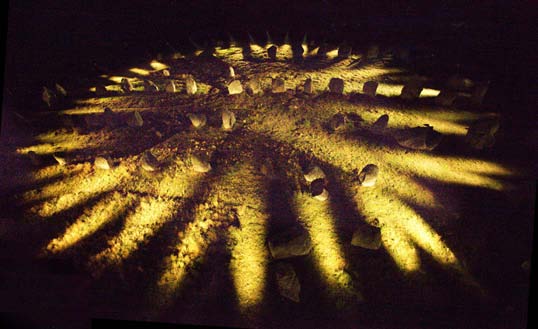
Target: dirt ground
(178, 246)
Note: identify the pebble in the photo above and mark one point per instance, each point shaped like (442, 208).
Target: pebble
(103, 163)
(126, 85)
(235, 87)
(336, 85)
(228, 120)
(171, 87)
(190, 85)
(278, 86)
(370, 88)
(368, 175)
(135, 120)
(198, 120)
(200, 163)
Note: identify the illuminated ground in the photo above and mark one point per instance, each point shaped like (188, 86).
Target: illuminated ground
(185, 247)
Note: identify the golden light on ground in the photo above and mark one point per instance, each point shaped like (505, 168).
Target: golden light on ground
(285, 51)
(313, 52)
(389, 90)
(427, 92)
(75, 190)
(316, 217)
(90, 221)
(139, 71)
(139, 227)
(256, 48)
(158, 66)
(401, 249)
(332, 54)
(116, 78)
(58, 142)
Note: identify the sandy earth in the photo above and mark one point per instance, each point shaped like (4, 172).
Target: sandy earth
(179, 246)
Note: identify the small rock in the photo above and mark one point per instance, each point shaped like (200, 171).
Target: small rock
(278, 86)
(336, 85)
(135, 120)
(313, 173)
(60, 91)
(381, 122)
(367, 236)
(103, 163)
(297, 51)
(337, 122)
(231, 72)
(287, 282)
(368, 175)
(290, 243)
(101, 91)
(479, 92)
(170, 87)
(149, 162)
(446, 98)
(198, 120)
(419, 138)
(47, 96)
(190, 85)
(318, 191)
(228, 120)
(308, 86)
(373, 52)
(150, 86)
(235, 87)
(166, 73)
(253, 87)
(60, 158)
(411, 90)
(126, 85)
(271, 52)
(200, 163)
(34, 158)
(481, 134)
(370, 88)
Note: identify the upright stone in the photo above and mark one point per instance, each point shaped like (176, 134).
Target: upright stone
(479, 93)
(101, 91)
(200, 163)
(481, 134)
(126, 85)
(368, 237)
(166, 73)
(135, 120)
(103, 163)
(368, 175)
(446, 98)
(197, 120)
(228, 120)
(381, 122)
(344, 51)
(231, 72)
(271, 52)
(278, 86)
(287, 281)
(190, 85)
(419, 138)
(318, 191)
(253, 87)
(60, 91)
(47, 96)
(313, 173)
(370, 88)
(290, 243)
(308, 86)
(337, 122)
(171, 87)
(373, 52)
(60, 158)
(411, 90)
(336, 86)
(149, 162)
(235, 87)
(150, 86)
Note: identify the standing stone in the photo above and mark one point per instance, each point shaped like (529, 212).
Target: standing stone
(290, 243)
(60, 91)
(419, 138)
(337, 122)
(150, 86)
(368, 175)
(190, 85)
(411, 90)
(103, 163)
(253, 87)
(318, 191)
(126, 85)
(235, 87)
(60, 158)
(457, 82)
(373, 52)
(344, 51)
(479, 93)
(287, 282)
(278, 86)
(47, 96)
(198, 120)
(336, 85)
(446, 98)
(166, 73)
(111, 120)
(368, 237)
(149, 162)
(271, 52)
(370, 88)
(481, 134)
(231, 72)
(171, 87)
(135, 120)
(200, 163)
(314, 173)
(228, 120)
(308, 87)
(297, 51)
(381, 122)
